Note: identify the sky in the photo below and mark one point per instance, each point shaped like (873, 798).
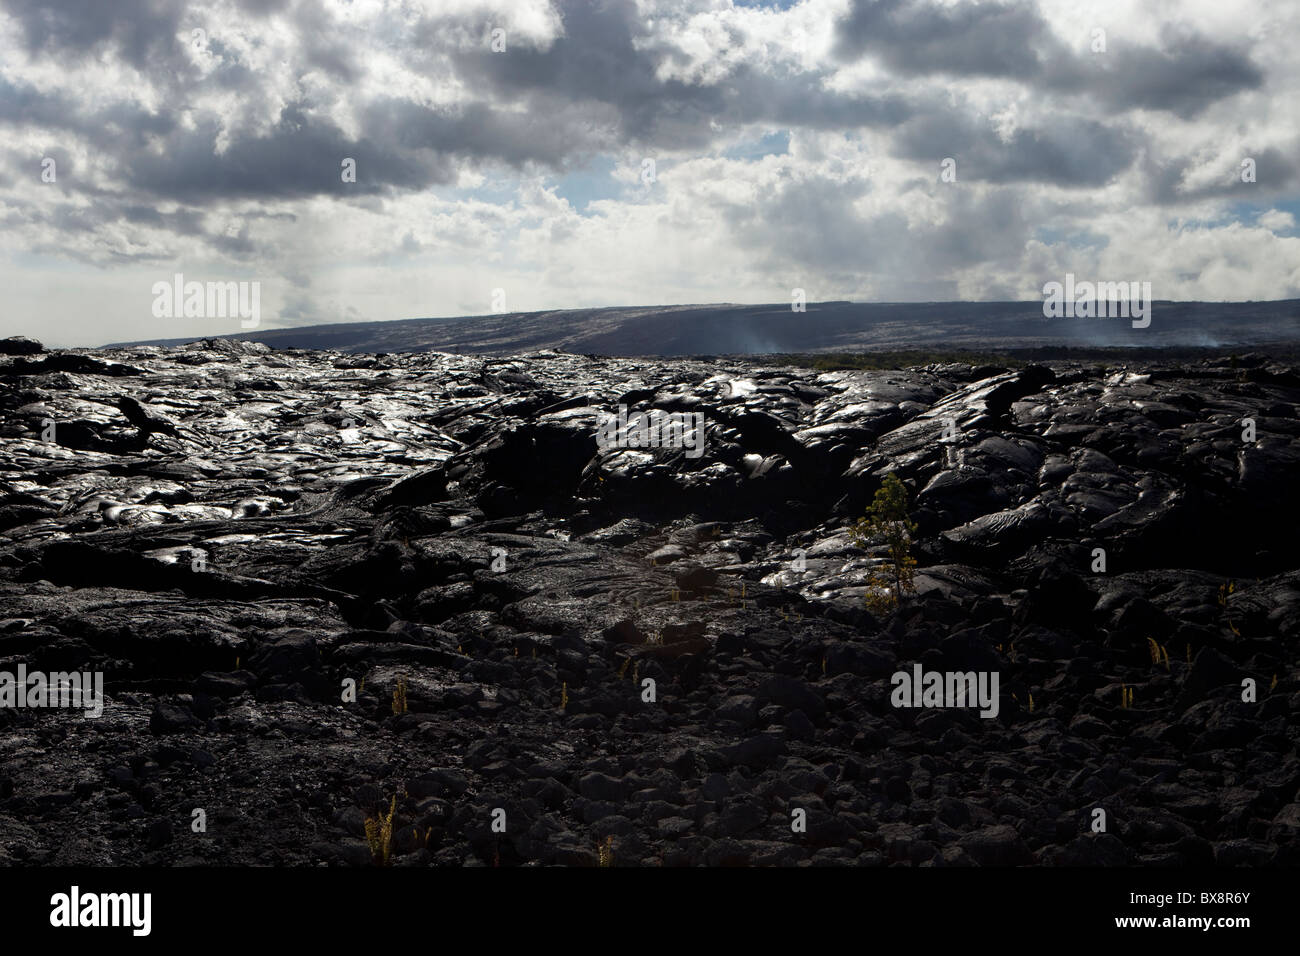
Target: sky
(390, 159)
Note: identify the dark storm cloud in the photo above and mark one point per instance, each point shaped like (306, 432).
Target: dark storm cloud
(299, 156)
(478, 131)
(594, 89)
(1066, 151)
(610, 57)
(141, 32)
(323, 49)
(801, 101)
(596, 60)
(115, 130)
(1185, 74)
(402, 145)
(263, 8)
(965, 39)
(184, 222)
(22, 104)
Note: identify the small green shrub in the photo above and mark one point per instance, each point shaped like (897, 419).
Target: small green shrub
(887, 522)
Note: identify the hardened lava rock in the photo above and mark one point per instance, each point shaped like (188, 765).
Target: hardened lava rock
(320, 587)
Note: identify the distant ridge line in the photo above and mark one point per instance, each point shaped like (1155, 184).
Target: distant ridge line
(773, 328)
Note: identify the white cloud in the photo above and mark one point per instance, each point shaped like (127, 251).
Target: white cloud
(222, 162)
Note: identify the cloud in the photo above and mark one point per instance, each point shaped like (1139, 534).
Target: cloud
(222, 152)
(971, 39)
(1183, 74)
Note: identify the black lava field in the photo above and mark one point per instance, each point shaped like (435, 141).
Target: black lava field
(321, 587)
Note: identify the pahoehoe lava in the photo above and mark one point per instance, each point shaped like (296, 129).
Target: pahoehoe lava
(445, 532)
